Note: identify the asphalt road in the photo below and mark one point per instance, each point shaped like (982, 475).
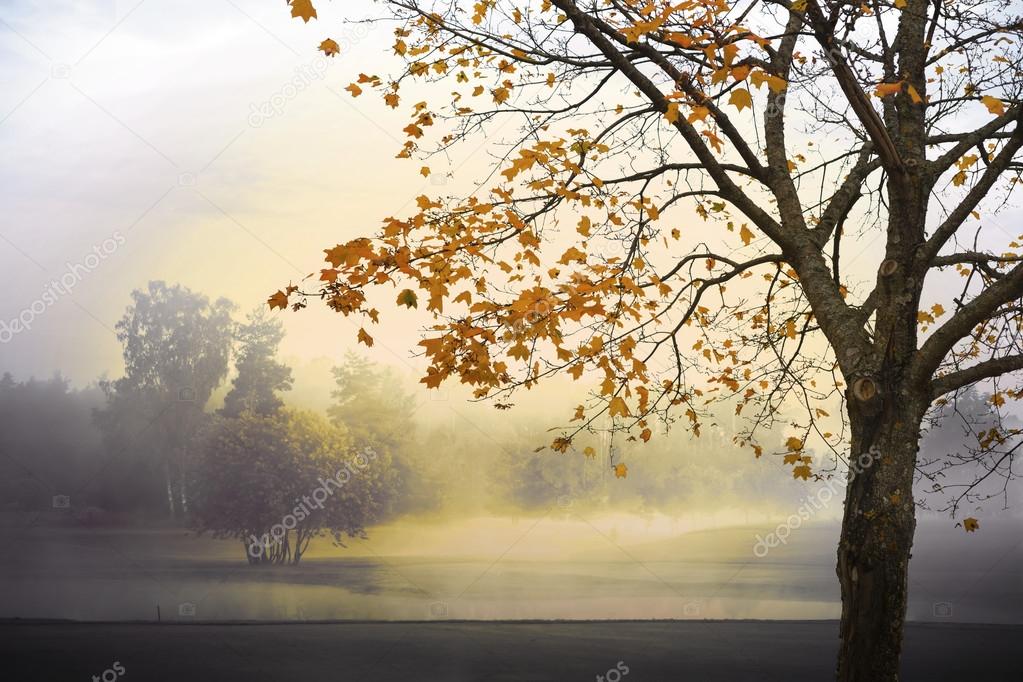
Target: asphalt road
(701, 651)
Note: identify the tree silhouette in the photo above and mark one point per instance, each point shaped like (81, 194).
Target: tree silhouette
(260, 376)
(176, 350)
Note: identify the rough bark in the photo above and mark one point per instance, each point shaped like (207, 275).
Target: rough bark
(875, 544)
(887, 402)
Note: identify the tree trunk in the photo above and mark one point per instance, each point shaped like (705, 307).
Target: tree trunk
(876, 539)
(170, 489)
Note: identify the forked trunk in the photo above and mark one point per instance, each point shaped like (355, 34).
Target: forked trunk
(876, 539)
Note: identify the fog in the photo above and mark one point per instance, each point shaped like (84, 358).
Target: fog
(485, 528)
(107, 453)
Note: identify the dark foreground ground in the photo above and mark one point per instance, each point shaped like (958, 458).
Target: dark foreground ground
(675, 651)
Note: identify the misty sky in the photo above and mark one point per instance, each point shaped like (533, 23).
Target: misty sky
(138, 125)
(144, 125)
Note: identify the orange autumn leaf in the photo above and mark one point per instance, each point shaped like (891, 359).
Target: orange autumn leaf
(746, 235)
(618, 408)
(993, 104)
(365, 338)
(408, 298)
(330, 47)
(741, 99)
(278, 300)
(303, 9)
(888, 89)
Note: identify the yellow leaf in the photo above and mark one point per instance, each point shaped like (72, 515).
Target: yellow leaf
(519, 352)
(886, 89)
(365, 338)
(740, 73)
(794, 444)
(589, 452)
(618, 408)
(993, 104)
(740, 98)
(746, 235)
(672, 112)
(408, 298)
(572, 254)
(278, 300)
(914, 95)
(329, 47)
(424, 171)
(802, 471)
(354, 89)
(621, 471)
(303, 9)
(500, 94)
(970, 524)
(584, 226)
(698, 114)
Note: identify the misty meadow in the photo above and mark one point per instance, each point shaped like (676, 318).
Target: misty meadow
(511, 340)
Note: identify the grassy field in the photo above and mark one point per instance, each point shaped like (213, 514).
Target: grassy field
(498, 570)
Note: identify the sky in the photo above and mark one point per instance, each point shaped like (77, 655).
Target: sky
(204, 142)
(197, 141)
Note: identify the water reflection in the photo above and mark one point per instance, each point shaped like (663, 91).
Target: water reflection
(559, 569)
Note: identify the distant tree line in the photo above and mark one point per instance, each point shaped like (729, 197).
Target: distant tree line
(148, 447)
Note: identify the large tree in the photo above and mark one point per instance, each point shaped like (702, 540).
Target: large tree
(796, 132)
(260, 376)
(277, 481)
(176, 349)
